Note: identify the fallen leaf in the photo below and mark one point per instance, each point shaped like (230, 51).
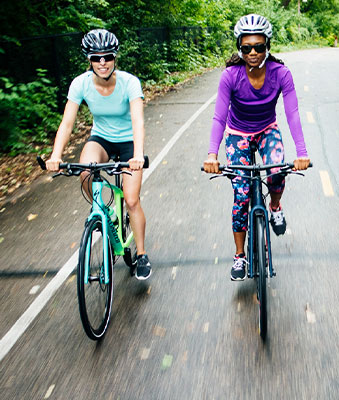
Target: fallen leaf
(167, 361)
(31, 217)
(310, 316)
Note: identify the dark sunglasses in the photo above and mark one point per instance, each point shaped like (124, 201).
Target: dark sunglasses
(247, 48)
(106, 57)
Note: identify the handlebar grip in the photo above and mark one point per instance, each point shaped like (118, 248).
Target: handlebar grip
(146, 163)
(221, 168)
(41, 163)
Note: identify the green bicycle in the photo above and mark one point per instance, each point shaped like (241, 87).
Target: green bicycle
(107, 235)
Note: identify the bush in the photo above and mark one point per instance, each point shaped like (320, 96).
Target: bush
(28, 114)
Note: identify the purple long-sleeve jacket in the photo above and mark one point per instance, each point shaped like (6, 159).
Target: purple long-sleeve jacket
(248, 110)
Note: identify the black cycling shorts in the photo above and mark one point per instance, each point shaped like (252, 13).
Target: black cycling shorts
(122, 151)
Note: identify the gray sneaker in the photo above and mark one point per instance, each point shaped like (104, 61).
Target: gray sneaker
(278, 221)
(144, 269)
(238, 271)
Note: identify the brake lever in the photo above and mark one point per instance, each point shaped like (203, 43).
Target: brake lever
(58, 174)
(222, 175)
(297, 173)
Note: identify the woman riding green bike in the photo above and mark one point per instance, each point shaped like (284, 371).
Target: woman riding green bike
(248, 92)
(115, 99)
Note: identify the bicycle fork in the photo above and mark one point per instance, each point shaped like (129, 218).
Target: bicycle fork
(260, 211)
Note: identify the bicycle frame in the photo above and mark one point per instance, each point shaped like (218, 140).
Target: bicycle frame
(108, 228)
(257, 208)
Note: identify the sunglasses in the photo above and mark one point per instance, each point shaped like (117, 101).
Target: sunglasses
(106, 57)
(247, 48)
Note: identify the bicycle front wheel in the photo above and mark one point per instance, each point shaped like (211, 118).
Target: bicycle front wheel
(95, 296)
(262, 274)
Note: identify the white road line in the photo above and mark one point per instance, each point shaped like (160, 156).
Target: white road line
(11, 337)
(327, 185)
(8, 341)
(174, 138)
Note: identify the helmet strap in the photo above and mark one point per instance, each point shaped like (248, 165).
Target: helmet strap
(266, 56)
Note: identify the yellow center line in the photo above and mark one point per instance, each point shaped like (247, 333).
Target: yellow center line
(326, 182)
(310, 117)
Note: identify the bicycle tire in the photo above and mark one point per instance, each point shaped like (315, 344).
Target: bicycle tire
(262, 274)
(130, 256)
(95, 297)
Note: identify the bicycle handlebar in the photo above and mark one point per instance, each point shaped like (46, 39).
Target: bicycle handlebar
(73, 168)
(257, 167)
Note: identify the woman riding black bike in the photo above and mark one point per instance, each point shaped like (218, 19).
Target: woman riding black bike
(245, 108)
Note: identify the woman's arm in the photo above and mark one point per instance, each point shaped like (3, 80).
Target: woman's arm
(222, 104)
(137, 117)
(63, 135)
(220, 113)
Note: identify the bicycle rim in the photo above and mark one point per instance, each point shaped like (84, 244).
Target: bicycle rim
(94, 297)
(262, 272)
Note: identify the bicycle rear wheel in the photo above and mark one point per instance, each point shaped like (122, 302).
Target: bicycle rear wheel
(94, 297)
(130, 256)
(262, 274)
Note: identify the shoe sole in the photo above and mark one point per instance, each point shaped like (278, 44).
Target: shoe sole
(238, 279)
(143, 278)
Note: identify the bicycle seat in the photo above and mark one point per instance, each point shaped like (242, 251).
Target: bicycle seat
(115, 157)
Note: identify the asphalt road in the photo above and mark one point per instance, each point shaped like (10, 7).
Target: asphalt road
(188, 332)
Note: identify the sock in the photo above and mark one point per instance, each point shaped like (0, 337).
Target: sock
(240, 255)
(275, 209)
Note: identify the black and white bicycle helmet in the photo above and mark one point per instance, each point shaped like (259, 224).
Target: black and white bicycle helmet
(252, 24)
(98, 41)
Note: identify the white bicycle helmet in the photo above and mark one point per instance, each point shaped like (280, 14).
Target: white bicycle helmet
(99, 41)
(252, 24)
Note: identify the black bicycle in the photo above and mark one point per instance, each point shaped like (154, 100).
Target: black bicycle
(260, 265)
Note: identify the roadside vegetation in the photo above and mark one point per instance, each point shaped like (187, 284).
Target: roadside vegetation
(163, 42)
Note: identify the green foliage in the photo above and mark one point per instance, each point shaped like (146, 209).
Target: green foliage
(165, 56)
(27, 114)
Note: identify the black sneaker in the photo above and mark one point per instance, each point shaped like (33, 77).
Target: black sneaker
(278, 221)
(144, 268)
(238, 271)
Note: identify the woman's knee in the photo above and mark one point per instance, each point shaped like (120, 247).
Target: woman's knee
(132, 202)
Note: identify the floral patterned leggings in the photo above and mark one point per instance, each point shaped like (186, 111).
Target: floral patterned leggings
(238, 151)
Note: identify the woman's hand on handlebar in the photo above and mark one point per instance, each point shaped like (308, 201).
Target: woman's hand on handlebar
(211, 165)
(53, 163)
(301, 163)
(136, 163)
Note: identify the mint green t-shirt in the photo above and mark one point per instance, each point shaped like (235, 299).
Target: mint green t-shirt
(111, 114)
